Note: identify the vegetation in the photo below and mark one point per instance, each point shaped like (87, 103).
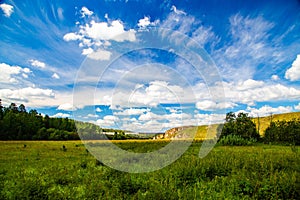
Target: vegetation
(286, 132)
(44, 170)
(18, 124)
(240, 125)
(262, 123)
(236, 140)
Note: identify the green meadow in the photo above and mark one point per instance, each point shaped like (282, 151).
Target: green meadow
(66, 170)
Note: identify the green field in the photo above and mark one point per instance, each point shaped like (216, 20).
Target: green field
(43, 170)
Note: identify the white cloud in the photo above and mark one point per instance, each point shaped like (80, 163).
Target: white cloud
(157, 92)
(92, 116)
(100, 55)
(107, 121)
(104, 31)
(275, 77)
(145, 22)
(7, 9)
(178, 21)
(150, 116)
(98, 109)
(249, 47)
(293, 73)
(87, 51)
(68, 107)
(249, 84)
(55, 76)
(71, 36)
(26, 94)
(249, 92)
(208, 105)
(267, 110)
(61, 115)
(297, 107)
(85, 12)
(179, 12)
(8, 73)
(37, 63)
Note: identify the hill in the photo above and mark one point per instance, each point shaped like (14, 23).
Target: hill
(209, 131)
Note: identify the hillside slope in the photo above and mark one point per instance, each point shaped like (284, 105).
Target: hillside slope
(205, 131)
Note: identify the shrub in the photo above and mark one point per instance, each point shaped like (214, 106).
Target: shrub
(236, 140)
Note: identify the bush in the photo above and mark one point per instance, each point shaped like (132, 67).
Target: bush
(236, 140)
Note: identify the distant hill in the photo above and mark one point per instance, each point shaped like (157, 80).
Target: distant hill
(209, 131)
(264, 122)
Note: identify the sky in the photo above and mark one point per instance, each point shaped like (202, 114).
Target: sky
(146, 65)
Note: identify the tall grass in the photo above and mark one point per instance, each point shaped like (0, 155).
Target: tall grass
(43, 171)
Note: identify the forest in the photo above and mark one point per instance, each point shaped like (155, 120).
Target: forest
(16, 123)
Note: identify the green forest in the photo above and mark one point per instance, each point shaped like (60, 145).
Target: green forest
(16, 123)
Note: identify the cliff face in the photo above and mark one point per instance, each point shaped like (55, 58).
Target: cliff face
(173, 133)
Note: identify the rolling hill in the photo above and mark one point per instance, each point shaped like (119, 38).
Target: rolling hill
(209, 131)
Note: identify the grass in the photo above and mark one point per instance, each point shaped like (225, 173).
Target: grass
(43, 170)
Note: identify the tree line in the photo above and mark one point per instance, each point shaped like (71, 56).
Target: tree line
(16, 123)
(241, 127)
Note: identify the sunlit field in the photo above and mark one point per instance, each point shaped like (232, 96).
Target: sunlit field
(66, 170)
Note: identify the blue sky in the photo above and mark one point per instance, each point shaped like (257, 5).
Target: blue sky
(150, 65)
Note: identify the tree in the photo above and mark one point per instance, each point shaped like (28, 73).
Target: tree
(1, 110)
(287, 132)
(22, 108)
(241, 125)
(13, 107)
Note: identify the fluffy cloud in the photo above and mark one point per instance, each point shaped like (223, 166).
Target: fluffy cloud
(157, 92)
(87, 51)
(37, 63)
(209, 105)
(85, 12)
(8, 73)
(145, 22)
(71, 36)
(249, 92)
(25, 94)
(107, 31)
(99, 55)
(69, 107)
(61, 115)
(293, 73)
(107, 121)
(267, 110)
(7, 9)
(275, 77)
(95, 36)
